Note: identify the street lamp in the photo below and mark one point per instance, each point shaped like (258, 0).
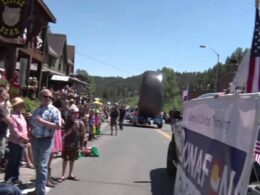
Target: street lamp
(217, 54)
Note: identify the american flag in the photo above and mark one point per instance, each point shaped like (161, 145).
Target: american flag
(185, 95)
(253, 78)
(257, 148)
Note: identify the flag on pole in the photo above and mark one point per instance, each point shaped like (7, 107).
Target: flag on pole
(253, 78)
(240, 79)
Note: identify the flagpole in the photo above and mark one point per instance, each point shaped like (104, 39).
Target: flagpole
(217, 65)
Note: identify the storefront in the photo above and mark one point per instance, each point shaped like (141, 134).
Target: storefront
(18, 44)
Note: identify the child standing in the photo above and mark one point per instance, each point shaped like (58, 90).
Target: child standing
(91, 125)
(98, 121)
(71, 145)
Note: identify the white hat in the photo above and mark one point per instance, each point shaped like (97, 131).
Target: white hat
(74, 109)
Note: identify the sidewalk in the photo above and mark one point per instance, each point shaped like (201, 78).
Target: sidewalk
(27, 174)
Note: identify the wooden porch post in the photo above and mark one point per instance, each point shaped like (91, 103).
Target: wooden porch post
(28, 71)
(39, 72)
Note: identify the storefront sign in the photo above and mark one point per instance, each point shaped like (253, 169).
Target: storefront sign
(217, 151)
(13, 17)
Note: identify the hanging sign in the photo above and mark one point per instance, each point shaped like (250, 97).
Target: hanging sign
(13, 17)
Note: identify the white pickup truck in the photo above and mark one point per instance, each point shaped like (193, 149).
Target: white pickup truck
(213, 149)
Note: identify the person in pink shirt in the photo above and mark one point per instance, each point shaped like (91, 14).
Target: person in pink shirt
(17, 139)
(98, 121)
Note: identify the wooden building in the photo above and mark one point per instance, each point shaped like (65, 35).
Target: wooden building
(43, 59)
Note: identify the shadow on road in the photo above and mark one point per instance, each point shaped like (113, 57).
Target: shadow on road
(106, 134)
(140, 126)
(161, 182)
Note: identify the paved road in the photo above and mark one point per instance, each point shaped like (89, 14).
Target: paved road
(132, 163)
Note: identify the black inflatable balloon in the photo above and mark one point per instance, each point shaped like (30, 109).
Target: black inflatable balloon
(151, 94)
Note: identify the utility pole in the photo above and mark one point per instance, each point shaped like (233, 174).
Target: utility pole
(218, 55)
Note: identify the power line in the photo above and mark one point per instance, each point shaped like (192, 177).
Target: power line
(102, 62)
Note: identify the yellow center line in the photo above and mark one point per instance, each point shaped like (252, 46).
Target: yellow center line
(169, 137)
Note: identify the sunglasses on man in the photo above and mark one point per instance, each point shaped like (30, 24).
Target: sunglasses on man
(47, 97)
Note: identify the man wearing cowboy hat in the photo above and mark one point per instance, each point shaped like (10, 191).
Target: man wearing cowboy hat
(18, 137)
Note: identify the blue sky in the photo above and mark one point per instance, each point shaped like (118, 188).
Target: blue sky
(139, 35)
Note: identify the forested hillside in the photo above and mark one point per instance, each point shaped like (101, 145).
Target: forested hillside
(117, 88)
(125, 90)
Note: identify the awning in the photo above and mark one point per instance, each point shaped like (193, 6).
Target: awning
(45, 69)
(60, 78)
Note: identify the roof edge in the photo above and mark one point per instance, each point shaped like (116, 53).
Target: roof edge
(47, 10)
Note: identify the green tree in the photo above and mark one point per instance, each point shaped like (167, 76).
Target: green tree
(83, 74)
(172, 96)
(105, 95)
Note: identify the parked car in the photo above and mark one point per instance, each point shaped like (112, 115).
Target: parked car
(141, 120)
(128, 113)
(132, 114)
(144, 120)
(158, 121)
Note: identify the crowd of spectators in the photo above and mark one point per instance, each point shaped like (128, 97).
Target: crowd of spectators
(62, 125)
